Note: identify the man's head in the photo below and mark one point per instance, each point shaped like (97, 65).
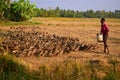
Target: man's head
(102, 20)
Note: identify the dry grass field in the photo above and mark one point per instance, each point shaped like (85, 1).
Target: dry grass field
(85, 29)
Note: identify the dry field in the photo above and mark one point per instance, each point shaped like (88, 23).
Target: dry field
(85, 29)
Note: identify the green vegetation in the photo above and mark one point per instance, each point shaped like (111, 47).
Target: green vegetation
(20, 10)
(9, 23)
(12, 69)
(4, 5)
(57, 12)
(114, 73)
(61, 71)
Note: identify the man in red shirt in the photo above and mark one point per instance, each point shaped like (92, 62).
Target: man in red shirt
(104, 31)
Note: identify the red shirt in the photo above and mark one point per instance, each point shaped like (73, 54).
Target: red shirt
(104, 28)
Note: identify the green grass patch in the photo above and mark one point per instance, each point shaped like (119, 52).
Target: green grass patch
(11, 69)
(10, 23)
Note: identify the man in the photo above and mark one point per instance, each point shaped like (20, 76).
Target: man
(104, 31)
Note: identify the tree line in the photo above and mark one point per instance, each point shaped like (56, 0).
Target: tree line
(23, 10)
(57, 12)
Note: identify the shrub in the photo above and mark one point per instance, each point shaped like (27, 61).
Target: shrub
(21, 10)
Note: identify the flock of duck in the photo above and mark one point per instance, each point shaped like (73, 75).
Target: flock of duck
(27, 41)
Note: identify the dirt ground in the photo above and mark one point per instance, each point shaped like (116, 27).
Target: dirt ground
(84, 33)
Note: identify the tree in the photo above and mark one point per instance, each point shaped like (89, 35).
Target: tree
(36, 12)
(98, 14)
(70, 13)
(76, 14)
(3, 7)
(57, 12)
(51, 13)
(63, 13)
(89, 14)
(21, 10)
(117, 13)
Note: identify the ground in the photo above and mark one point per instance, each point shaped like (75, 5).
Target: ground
(83, 29)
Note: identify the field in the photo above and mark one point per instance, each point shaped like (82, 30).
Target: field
(85, 29)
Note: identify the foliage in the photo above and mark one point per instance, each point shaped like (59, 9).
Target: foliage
(21, 10)
(4, 5)
(57, 12)
(11, 69)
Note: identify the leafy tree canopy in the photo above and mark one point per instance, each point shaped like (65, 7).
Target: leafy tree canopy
(21, 10)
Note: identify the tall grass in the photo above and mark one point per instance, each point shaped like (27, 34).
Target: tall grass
(72, 70)
(12, 69)
(10, 23)
(61, 71)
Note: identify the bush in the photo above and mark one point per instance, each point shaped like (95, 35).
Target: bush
(21, 10)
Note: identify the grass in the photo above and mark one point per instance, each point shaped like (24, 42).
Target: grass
(76, 21)
(10, 23)
(61, 71)
(12, 69)
(54, 21)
